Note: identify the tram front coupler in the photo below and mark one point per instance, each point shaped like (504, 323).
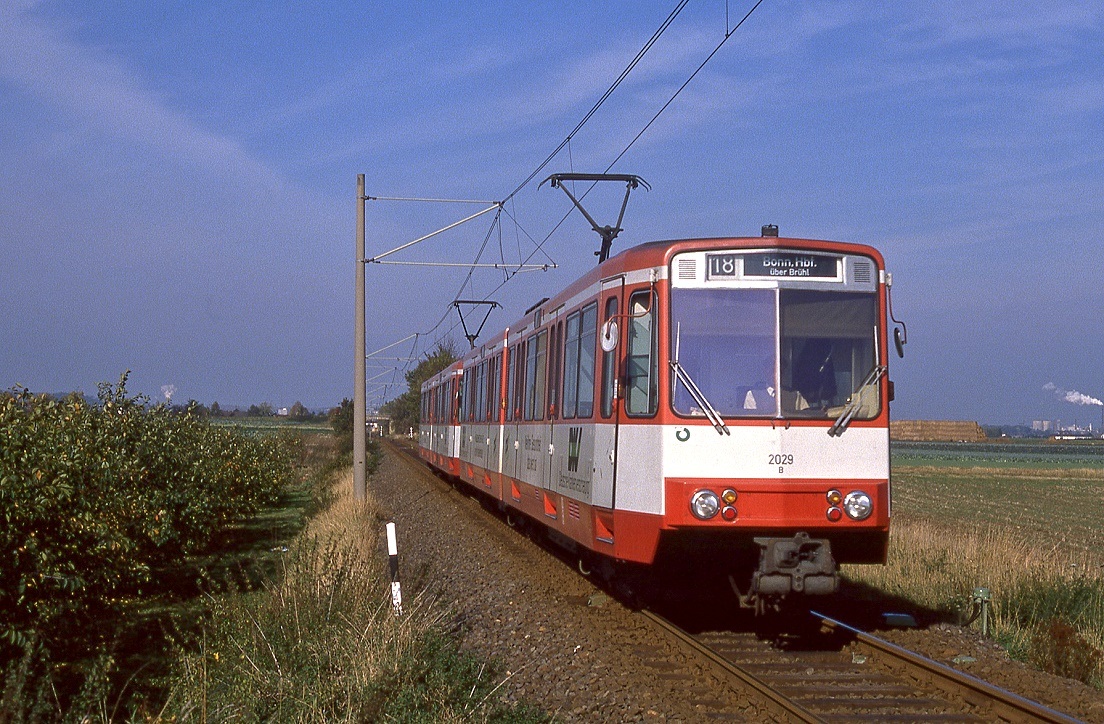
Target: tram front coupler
(797, 565)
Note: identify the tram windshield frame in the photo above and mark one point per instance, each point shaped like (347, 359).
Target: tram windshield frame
(790, 353)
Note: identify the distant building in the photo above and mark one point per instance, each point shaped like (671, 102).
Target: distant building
(936, 431)
(282, 412)
(1042, 425)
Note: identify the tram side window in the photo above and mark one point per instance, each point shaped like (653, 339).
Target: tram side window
(555, 360)
(553, 369)
(465, 396)
(535, 374)
(571, 367)
(641, 394)
(480, 401)
(514, 393)
(473, 402)
(519, 387)
(579, 363)
(494, 388)
(508, 399)
(588, 338)
(609, 365)
(454, 404)
(481, 397)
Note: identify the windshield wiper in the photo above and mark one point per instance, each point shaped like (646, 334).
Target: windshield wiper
(699, 397)
(855, 402)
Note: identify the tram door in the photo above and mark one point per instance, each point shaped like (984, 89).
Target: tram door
(610, 307)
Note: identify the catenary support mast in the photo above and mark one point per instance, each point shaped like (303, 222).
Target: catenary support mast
(360, 447)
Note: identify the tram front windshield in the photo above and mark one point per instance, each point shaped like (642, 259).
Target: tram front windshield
(791, 353)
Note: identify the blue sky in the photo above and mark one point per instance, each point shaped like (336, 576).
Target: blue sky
(177, 180)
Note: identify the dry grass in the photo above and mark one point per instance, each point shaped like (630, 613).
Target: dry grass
(322, 644)
(1048, 598)
(936, 565)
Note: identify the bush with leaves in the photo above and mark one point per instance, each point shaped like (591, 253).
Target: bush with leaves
(95, 497)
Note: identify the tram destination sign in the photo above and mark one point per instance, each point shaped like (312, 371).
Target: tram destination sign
(774, 265)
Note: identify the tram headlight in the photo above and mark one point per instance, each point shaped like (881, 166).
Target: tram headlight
(705, 504)
(858, 505)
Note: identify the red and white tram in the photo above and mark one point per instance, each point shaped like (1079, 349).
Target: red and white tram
(724, 400)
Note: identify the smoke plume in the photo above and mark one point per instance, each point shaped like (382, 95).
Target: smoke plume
(1077, 398)
(168, 391)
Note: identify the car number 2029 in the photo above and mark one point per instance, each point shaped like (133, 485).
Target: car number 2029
(780, 459)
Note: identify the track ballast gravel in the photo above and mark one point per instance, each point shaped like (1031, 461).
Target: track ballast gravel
(565, 646)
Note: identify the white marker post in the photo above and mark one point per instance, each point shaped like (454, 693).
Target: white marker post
(393, 562)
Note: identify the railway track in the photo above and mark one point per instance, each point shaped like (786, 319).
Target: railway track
(842, 674)
(829, 672)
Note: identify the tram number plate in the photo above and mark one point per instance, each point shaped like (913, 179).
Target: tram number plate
(781, 460)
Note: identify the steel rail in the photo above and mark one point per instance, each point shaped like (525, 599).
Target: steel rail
(773, 697)
(1007, 705)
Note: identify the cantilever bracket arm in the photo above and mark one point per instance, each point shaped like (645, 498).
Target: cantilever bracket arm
(608, 233)
(491, 306)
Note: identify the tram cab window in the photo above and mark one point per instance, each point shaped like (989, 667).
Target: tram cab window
(641, 395)
(827, 351)
(768, 352)
(725, 343)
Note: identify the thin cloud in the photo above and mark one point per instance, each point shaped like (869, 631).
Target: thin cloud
(91, 84)
(955, 22)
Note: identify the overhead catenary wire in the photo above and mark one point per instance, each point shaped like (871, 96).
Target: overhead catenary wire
(566, 141)
(501, 205)
(728, 34)
(526, 267)
(605, 96)
(682, 87)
